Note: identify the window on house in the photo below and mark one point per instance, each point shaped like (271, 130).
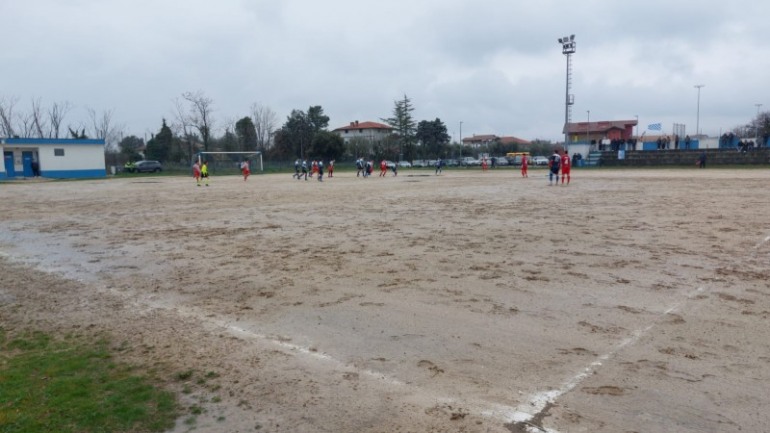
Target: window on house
(58, 152)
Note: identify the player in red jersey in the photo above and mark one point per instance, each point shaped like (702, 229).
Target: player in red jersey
(245, 170)
(566, 164)
(383, 168)
(524, 164)
(197, 173)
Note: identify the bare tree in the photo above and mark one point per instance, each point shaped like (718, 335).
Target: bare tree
(56, 116)
(25, 126)
(265, 121)
(104, 128)
(38, 121)
(100, 124)
(200, 115)
(183, 124)
(6, 116)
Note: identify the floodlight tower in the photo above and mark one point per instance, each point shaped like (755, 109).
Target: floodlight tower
(568, 49)
(756, 125)
(697, 115)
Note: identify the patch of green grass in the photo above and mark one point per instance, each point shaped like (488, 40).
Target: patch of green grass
(184, 375)
(72, 386)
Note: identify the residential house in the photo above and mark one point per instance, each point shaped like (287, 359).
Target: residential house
(370, 131)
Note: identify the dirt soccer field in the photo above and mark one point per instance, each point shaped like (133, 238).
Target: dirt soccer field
(628, 301)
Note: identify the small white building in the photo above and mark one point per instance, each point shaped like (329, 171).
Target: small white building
(52, 158)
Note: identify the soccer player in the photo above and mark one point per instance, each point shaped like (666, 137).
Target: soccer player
(524, 164)
(205, 172)
(197, 173)
(331, 168)
(383, 168)
(360, 167)
(296, 168)
(304, 170)
(245, 169)
(553, 165)
(565, 167)
(439, 164)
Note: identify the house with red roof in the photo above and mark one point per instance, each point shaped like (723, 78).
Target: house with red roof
(477, 141)
(586, 132)
(370, 131)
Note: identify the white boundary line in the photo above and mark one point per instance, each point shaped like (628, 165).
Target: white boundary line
(535, 403)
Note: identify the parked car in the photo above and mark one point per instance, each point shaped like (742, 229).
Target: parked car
(419, 163)
(540, 160)
(148, 167)
(390, 164)
(404, 164)
(451, 162)
(469, 161)
(499, 160)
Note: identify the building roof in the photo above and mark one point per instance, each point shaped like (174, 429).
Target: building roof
(486, 138)
(480, 138)
(56, 141)
(364, 125)
(513, 140)
(601, 126)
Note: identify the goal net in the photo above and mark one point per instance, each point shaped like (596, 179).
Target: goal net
(224, 163)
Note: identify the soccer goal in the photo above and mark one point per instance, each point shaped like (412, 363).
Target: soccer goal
(230, 162)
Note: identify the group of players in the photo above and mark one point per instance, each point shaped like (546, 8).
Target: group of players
(201, 171)
(316, 169)
(558, 162)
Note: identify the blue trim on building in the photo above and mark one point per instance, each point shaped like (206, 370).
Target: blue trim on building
(73, 174)
(59, 141)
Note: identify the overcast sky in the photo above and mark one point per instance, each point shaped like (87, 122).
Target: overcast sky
(494, 65)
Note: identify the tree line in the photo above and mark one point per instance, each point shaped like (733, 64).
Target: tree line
(193, 127)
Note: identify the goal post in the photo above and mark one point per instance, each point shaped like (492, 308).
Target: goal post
(226, 161)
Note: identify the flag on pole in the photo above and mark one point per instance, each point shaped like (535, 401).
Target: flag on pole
(655, 126)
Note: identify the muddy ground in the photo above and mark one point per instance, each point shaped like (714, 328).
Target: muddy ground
(628, 301)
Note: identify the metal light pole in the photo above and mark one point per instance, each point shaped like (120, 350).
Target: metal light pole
(461, 133)
(697, 116)
(567, 48)
(756, 126)
(588, 128)
(637, 126)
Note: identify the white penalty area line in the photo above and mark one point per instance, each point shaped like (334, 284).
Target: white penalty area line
(764, 241)
(537, 402)
(312, 353)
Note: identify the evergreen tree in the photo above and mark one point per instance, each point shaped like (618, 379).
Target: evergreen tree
(160, 146)
(130, 147)
(433, 137)
(296, 135)
(404, 124)
(327, 145)
(246, 134)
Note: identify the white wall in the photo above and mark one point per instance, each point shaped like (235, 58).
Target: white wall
(76, 157)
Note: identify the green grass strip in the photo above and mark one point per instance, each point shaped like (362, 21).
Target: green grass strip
(71, 386)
